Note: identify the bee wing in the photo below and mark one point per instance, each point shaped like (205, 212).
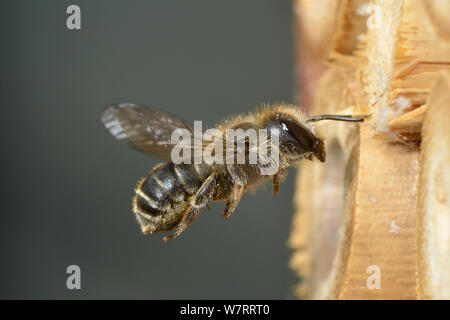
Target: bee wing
(145, 129)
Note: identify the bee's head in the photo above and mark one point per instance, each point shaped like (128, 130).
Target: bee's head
(296, 140)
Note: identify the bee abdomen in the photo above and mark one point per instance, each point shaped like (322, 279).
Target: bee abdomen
(161, 188)
(162, 197)
(144, 208)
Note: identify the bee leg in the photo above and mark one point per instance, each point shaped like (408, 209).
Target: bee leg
(233, 201)
(201, 198)
(206, 191)
(277, 178)
(189, 216)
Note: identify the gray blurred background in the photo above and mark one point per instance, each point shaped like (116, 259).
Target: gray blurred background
(66, 184)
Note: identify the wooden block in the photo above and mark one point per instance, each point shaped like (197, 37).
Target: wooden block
(373, 222)
(433, 215)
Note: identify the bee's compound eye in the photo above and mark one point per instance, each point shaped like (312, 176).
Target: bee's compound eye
(301, 134)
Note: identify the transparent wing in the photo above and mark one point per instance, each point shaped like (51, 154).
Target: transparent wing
(145, 129)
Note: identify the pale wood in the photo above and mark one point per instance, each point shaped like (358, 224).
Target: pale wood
(433, 225)
(376, 201)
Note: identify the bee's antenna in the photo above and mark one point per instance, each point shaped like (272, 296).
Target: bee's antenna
(348, 118)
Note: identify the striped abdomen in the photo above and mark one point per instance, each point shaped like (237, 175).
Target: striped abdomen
(165, 194)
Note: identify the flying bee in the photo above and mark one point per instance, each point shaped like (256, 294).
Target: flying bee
(172, 195)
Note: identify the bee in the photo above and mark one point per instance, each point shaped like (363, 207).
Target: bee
(172, 196)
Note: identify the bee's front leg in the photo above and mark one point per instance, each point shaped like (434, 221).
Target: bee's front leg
(233, 201)
(277, 178)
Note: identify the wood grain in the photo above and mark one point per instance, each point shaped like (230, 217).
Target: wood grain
(382, 199)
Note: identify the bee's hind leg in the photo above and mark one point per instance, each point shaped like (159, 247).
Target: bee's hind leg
(201, 198)
(189, 216)
(233, 201)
